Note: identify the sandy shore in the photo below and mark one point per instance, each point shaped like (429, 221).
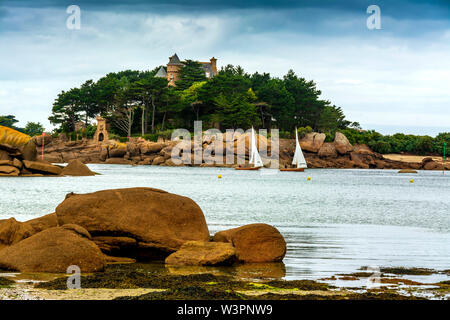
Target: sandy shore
(409, 158)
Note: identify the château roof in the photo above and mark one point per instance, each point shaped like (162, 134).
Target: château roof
(174, 60)
(161, 73)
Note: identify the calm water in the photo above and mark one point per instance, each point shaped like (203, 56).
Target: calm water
(337, 222)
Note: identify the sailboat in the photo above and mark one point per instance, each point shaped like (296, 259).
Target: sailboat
(299, 159)
(255, 158)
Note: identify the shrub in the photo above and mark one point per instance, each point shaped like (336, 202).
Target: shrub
(151, 137)
(302, 131)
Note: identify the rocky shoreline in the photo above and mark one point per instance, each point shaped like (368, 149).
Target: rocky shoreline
(19, 154)
(318, 153)
(19, 157)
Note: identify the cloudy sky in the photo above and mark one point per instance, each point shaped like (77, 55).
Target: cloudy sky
(395, 79)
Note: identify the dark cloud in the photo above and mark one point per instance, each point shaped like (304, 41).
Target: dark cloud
(397, 9)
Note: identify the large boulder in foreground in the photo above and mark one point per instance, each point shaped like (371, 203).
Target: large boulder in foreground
(77, 168)
(159, 221)
(13, 231)
(312, 141)
(198, 253)
(42, 223)
(255, 242)
(54, 250)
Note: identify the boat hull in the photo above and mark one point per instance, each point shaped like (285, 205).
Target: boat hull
(252, 168)
(293, 169)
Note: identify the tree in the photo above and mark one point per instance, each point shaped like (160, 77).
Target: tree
(34, 129)
(280, 104)
(148, 91)
(190, 97)
(89, 101)
(124, 107)
(331, 119)
(190, 73)
(8, 121)
(66, 109)
(237, 111)
(307, 106)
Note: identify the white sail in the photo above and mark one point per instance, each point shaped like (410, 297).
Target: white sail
(299, 158)
(255, 158)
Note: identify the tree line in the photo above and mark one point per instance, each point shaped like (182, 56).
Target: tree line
(137, 102)
(31, 128)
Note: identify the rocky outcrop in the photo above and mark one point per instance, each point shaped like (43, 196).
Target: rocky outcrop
(198, 253)
(159, 222)
(46, 139)
(43, 223)
(9, 170)
(255, 242)
(117, 161)
(342, 144)
(42, 167)
(312, 141)
(54, 250)
(125, 225)
(407, 171)
(318, 153)
(77, 168)
(245, 139)
(148, 147)
(18, 156)
(328, 149)
(13, 231)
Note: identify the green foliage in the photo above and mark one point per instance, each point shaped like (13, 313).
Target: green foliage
(89, 131)
(438, 145)
(303, 131)
(151, 137)
(285, 135)
(398, 142)
(34, 129)
(190, 73)
(8, 121)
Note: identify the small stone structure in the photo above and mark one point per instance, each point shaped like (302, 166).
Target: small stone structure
(101, 134)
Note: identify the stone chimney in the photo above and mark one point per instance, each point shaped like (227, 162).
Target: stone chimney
(214, 65)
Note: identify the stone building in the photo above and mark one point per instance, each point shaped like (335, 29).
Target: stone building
(174, 68)
(80, 125)
(102, 133)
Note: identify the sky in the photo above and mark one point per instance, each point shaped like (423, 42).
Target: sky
(392, 79)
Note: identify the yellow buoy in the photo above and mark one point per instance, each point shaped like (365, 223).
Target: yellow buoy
(412, 180)
(219, 176)
(309, 178)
